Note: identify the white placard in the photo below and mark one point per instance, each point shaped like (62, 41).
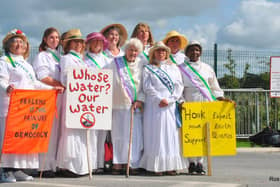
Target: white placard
(275, 76)
(89, 99)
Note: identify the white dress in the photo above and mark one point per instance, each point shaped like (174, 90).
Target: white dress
(108, 53)
(121, 116)
(72, 148)
(45, 65)
(144, 55)
(22, 77)
(178, 57)
(161, 138)
(102, 61)
(192, 93)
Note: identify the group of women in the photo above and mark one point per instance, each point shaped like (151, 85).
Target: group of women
(149, 80)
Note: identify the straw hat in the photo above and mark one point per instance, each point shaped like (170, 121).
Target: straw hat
(97, 36)
(193, 43)
(73, 34)
(16, 33)
(156, 46)
(183, 39)
(123, 32)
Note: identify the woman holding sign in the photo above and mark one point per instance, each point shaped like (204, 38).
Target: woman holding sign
(16, 73)
(47, 68)
(72, 148)
(96, 43)
(127, 96)
(162, 84)
(200, 84)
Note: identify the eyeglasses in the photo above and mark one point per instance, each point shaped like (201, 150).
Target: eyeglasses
(18, 41)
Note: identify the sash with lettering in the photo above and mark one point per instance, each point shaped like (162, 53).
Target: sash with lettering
(125, 74)
(166, 81)
(29, 121)
(197, 80)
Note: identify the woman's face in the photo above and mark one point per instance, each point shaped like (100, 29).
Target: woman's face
(143, 35)
(18, 46)
(131, 53)
(52, 40)
(160, 54)
(174, 44)
(95, 46)
(194, 53)
(76, 45)
(113, 37)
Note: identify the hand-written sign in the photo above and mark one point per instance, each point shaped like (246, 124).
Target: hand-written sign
(89, 99)
(29, 121)
(220, 116)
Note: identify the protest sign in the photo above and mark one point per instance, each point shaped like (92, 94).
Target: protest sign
(89, 99)
(221, 119)
(29, 121)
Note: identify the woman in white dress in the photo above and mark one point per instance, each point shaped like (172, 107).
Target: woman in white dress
(47, 68)
(72, 148)
(200, 85)
(176, 42)
(127, 94)
(16, 73)
(96, 59)
(116, 36)
(162, 85)
(143, 32)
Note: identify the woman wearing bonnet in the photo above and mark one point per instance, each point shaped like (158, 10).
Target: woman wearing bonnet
(116, 36)
(162, 85)
(16, 73)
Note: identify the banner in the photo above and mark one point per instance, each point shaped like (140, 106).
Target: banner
(89, 99)
(29, 121)
(221, 117)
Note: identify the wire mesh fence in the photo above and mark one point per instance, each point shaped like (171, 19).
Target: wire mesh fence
(241, 69)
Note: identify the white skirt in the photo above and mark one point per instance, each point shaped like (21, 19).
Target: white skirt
(120, 137)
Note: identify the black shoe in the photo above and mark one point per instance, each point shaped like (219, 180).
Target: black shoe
(48, 174)
(67, 174)
(192, 168)
(199, 169)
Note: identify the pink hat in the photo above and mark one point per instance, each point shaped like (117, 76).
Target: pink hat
(97, 36)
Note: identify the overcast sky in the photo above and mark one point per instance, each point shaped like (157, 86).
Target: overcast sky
(230, 23)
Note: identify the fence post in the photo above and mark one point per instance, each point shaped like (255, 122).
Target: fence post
(215, 58)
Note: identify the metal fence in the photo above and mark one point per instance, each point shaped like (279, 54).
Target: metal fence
(255, 109)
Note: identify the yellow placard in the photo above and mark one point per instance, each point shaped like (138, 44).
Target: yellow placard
(221, 117)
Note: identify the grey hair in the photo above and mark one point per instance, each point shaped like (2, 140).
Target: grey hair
(134, 42)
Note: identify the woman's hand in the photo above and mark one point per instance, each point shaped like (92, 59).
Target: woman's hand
(227, 100)
(60, 89)
(138, 104)
(163, 103)
(9, 89)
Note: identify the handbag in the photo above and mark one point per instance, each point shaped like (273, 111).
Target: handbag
(108, 156)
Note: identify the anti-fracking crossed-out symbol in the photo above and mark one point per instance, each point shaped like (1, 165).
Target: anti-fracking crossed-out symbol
(87, 120)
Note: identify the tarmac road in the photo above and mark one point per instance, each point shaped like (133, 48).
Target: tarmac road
(251, 167)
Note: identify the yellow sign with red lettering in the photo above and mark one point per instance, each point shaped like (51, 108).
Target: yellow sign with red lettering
(221, 118)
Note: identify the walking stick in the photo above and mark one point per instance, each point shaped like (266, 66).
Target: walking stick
(130, 140)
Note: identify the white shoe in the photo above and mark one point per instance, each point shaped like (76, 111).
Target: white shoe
(8, 177)
(21, 176)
